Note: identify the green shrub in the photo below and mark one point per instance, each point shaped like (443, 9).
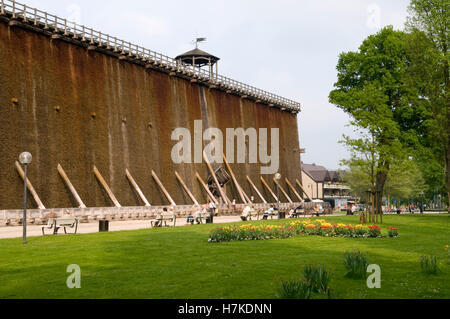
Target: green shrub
(356, 264)
(294, 289)
(317, 277)
(429, 265)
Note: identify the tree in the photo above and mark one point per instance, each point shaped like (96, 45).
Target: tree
(404, 181)
(428, 75)
(370, 89)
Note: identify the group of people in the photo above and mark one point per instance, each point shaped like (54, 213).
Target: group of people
(211, 210)
(201, 211)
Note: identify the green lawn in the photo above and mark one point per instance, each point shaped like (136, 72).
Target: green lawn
(180, 263)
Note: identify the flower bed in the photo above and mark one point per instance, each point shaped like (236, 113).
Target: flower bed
(317, 227)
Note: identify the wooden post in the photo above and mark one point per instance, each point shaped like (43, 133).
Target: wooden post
(303, 190)
(293, 190)
(166, 193)
(211, 196)
(70, 186)
(268, 188)
(137, 188)
(186, 188)
(30, 187)
(106, 187)
(246, 197)
(256, 190)
(283, 191)
(238, 187)
(213, 174)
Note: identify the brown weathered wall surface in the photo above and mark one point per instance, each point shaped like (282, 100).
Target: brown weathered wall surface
(126, 98)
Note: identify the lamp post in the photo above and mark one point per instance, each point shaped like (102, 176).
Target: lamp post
(277, 178)
(25, 159)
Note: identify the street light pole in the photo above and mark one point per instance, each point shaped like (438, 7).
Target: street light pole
(25, 204)
(25, 159)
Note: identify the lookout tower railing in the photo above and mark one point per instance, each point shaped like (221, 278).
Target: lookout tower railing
(57, 25)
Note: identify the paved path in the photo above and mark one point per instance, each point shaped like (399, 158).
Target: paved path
(32, 231)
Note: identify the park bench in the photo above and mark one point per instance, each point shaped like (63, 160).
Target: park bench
(57, 223)
(273, 214)
(253, 214)
(298, 212)
(201, 217)
(164, 218)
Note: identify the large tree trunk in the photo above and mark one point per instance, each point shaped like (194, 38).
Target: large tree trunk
(381, 177)
(446, 133)
(447, 175)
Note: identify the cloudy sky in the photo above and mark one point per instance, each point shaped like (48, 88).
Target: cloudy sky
(288, 47)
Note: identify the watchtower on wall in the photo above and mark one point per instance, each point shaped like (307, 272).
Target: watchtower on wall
(199, 59)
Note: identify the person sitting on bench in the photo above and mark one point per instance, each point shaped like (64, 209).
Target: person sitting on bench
(246, 213)
(159, 219)
(199, 213)
(268, 212)
(191, 218)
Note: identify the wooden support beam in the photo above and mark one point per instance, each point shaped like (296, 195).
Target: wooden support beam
(211, 196)
(70, 186)
(213, 174)
(303, 190)
(186, 188)
(238, 187)
(268, 188)
(249, 201)
(137, 188)
(106, 187)
(256, 190)
(166, 193)
(293, 190)
(30, 187)
(282, 190)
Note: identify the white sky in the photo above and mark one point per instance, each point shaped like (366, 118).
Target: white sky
(288, 47)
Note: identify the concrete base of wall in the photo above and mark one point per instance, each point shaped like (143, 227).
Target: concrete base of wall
(87, 215)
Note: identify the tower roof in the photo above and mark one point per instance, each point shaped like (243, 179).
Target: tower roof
(201, 57)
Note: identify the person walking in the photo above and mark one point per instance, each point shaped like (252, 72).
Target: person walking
(212, 209)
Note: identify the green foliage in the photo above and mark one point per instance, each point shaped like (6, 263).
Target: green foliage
(428, 81)
(294, 289)
(356, 264)
(371, 90)
(405, 181)
(429, 265)
(317, 277)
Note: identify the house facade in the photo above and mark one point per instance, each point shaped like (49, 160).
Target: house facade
(321, 183)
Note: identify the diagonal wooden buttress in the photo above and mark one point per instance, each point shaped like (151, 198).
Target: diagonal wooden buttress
(282, 190)
(238, 187)
(303, 190)
(70, 186)
(205, 187)
(293, 190)
(30, 187)
(186, 188)
(106, 187)
(165, 192)
(268, 188)
(137, 188)
(256, 190)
